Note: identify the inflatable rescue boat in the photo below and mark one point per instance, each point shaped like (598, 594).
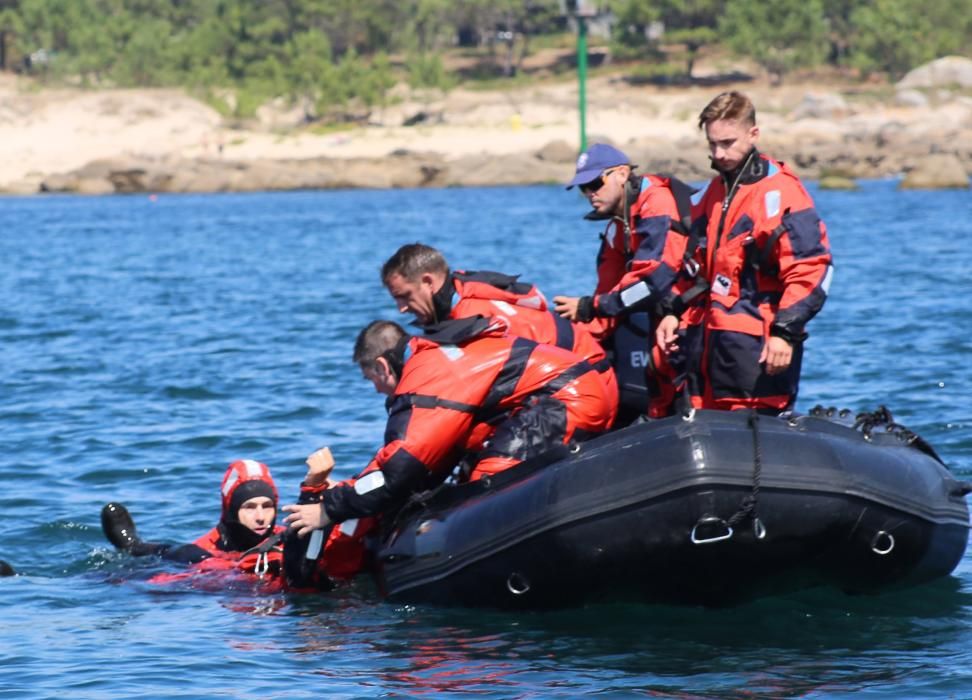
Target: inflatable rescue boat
(710, 508)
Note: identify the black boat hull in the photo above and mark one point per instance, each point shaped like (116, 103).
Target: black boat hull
(657, 512)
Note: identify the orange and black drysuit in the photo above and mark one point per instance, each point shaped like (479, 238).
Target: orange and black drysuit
(231, 547)
(526, 312)
(638, 262)
(467, 388)
(764, 253)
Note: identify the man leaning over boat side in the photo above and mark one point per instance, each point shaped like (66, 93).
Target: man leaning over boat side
(420, 281)
(638, 262)
(764, 253)
(465, 388)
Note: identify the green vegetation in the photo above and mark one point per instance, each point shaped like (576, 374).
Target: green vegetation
(339, 59)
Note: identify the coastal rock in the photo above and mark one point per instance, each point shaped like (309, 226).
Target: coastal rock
(406, 170)
(837, 182)
(821, 105)
(937, 171)
(59, 182)
(279, 113)
(485, 169)
(910, 98)
(31, 184)
(689, 162)
(94, 185)
(557, 152)
(944, 72)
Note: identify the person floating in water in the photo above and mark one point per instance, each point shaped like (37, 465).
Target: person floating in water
(247, 540)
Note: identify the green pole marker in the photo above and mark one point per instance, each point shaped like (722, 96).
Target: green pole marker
(582, 79)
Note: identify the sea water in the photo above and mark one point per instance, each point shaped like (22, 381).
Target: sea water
(149, 341)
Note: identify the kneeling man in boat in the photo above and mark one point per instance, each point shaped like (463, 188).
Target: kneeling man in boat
(420, 281)
(466, 392)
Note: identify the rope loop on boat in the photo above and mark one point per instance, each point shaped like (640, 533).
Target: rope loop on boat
(750, 503)
(748, 507)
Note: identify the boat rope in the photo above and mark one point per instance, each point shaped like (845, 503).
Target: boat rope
(749, 504)
(867, 422)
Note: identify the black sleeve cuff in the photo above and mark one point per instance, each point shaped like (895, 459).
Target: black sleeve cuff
(585, 309)
(669, 306)
(790, 335)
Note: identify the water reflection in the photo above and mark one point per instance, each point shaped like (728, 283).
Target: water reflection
(844, 644)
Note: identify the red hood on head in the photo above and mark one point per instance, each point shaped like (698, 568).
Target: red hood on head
(259, 483)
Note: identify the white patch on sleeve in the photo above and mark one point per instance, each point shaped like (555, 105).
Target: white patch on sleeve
(772, 200)
(504, 307)
(721, 285)
(635, 293)
(828, 278)
(452, 352)
(369, 482)
(348, 527)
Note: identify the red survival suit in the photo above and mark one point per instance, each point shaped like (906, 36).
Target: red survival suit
(231, 552)
(765, 255)
(526, 312)
(638, 262)
(468, 386)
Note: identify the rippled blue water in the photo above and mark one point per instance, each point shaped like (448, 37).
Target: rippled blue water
(147, 343)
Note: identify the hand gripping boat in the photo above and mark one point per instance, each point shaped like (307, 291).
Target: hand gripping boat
(709, 508)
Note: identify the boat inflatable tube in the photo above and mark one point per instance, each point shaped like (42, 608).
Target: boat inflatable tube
(711, 508)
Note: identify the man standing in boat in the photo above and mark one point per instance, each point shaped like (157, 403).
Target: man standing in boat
(638, 262)
(419, 280)
(763, 251)
(467, 390)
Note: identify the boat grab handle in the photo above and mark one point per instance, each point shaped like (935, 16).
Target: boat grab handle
(517, 583)
(882, 543)
(711, 520)
(759, 530)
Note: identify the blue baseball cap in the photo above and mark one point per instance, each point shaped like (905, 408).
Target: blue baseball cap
(594, 161)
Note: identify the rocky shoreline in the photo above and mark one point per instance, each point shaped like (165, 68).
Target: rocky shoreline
(921, 133)
(919, 163)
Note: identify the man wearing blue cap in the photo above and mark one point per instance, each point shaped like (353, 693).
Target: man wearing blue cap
(640, 259)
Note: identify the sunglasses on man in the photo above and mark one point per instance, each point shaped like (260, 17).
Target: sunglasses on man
(597, 183)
